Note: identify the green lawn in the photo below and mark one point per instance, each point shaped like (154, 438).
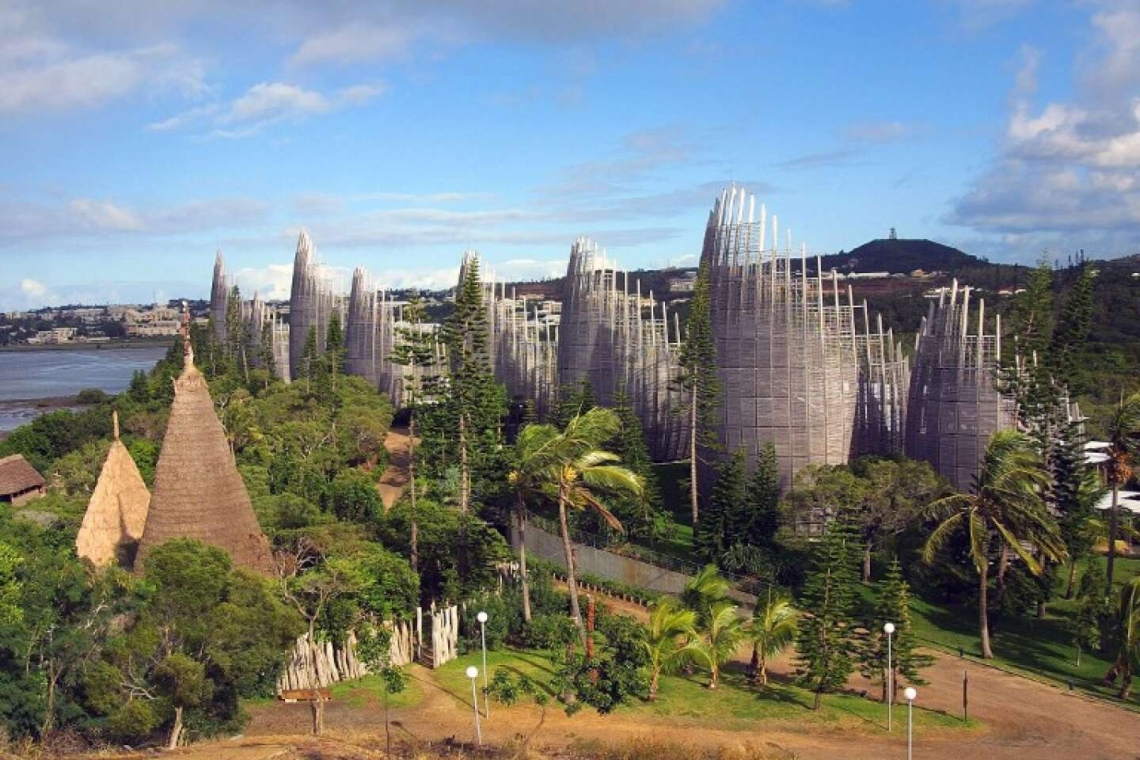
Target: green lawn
(369, 692)
(1037, 647)
(735, 705)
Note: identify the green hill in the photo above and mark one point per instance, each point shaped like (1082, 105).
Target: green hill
(902, 256)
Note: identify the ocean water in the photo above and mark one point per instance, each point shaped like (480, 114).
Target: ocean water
(28, 376)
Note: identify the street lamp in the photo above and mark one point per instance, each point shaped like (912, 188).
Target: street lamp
(482, 618)
(473, 673)
(889, 628)
(910, 694)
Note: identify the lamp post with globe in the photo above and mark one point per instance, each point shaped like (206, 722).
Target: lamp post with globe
(889, 629)
(482, 618)
(910, 694)
(473, 673)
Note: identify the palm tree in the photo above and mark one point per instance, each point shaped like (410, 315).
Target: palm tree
(526, 483)
(703, 590)
(719, 639)
(669, 640)
(772, 629)
(1128, 631)
(570, 468)
(1123, 433)
(1005, 504)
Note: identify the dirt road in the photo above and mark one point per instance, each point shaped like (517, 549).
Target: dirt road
(395, 478)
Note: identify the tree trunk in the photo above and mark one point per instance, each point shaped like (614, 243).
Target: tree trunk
(694, 497)
(1112, 517)
(754, 664)
(571, 575)
(815, 702)
(414, 542)
(522, 567)
(764, 669)
(318, 713)
(464, 474)
(1125, 684)
(176, 731)
(1072, 578)
(983, 611)
(715, 673)
(654, 680)
(867, 562)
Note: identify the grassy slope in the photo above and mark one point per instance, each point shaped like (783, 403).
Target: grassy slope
(734, 706)
(1038, 647)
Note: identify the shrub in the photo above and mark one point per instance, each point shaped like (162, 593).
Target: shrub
(547, 631)
(89, 396)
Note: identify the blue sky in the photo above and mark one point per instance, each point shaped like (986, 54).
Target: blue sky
(134, 141)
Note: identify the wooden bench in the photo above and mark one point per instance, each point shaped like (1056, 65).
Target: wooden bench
(304, 695)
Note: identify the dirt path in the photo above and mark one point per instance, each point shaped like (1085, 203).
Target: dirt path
(395, 478)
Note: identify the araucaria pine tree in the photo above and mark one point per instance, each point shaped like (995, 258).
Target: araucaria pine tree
(473, 401)
(237, 338)
(826, 644)
(892, 605)
(1072, 332)
(699, 382)
(721, 521)
(415, 350)
(764, 501)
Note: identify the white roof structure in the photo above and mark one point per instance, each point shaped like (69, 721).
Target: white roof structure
(1129, 500)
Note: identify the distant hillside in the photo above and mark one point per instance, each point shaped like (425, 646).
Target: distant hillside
(902, 256)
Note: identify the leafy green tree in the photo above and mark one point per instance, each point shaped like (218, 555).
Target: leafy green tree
(1084, 626)
(443, 534)
(1004, 507)
(719, 638)
(572, 470)
(892, 605)
(182, 681)
(1122, 432)
(352, 496)
(1127, 639)
(669, 640)
(826, 642)
(772, 629)
(699, 380)
(639, 515)
(574, 399)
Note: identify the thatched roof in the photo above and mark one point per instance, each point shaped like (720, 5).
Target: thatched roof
(116, 513)
(198, 492)
(17, 476)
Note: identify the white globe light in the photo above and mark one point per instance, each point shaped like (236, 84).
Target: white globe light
(473, 671)
(889, 628)
(481, 617)
(910, 693)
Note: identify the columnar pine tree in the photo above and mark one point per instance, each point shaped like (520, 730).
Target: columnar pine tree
(826, 643)
(700, 383)
(310, 356)
(892, 605)
(265, 352)
(720, 524)
(415, 349)
(237, 338)
(638, 515)
(1072, 332)
(574, 399)
(764, 501)
(334, 346)
(474, 403)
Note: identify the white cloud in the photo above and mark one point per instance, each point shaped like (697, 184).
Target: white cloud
(184, 119)
(272, 101)
(1069, 167)
(33, 288)
(354, 43)
(105, 215)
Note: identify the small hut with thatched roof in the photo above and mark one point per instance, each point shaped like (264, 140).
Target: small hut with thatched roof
(19, 481)
(116, 514)
(198, 492)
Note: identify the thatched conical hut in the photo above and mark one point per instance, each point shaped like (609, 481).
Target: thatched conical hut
(198, 492)
(116, 513)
